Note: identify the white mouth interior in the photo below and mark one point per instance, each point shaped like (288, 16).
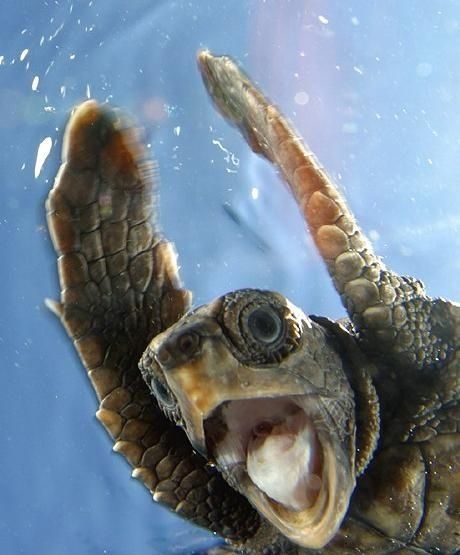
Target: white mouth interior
(278, 445)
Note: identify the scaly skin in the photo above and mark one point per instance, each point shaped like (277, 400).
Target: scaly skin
(119, 288)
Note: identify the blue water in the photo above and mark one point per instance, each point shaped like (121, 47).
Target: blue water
(376, 92)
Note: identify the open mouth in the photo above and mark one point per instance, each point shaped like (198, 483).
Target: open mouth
(276, 452)
(277, 444)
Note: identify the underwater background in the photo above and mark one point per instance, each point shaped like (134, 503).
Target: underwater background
(374, 87)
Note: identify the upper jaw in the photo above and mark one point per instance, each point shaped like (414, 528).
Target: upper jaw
(207, 381)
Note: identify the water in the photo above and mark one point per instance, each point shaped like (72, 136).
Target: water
(374, 89)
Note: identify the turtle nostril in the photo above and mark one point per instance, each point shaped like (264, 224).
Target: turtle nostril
(188, 343)
(177, 349)
(163, 355)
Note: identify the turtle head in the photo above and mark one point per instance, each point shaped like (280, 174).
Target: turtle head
(261, 391)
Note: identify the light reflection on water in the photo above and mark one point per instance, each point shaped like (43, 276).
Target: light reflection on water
(375, 90)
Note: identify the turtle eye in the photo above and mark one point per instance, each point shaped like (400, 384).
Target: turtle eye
(162, 393)
(265, 325)
(260, 326)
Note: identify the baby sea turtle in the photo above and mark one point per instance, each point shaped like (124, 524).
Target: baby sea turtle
(324, 437)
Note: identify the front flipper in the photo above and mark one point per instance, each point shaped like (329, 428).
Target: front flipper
(119, 288)
(393, 315)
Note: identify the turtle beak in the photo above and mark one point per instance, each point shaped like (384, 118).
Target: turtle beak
(188, 357)
(194, 418)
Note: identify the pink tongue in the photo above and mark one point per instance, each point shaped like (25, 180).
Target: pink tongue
(281, 460)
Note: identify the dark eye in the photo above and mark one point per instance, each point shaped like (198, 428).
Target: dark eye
(265, 325)
(162, 393)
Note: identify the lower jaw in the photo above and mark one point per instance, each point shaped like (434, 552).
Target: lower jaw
(313, 520)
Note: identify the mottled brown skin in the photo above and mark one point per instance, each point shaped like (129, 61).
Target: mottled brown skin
(120, 288)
